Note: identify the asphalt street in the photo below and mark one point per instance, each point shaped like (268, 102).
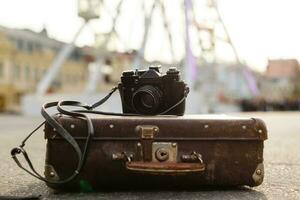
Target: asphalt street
(281, 153)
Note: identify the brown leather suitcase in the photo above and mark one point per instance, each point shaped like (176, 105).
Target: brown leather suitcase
(171, 152)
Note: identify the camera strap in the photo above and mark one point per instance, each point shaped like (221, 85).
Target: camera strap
(80, 114)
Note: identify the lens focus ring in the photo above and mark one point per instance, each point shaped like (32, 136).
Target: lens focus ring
(146, 100)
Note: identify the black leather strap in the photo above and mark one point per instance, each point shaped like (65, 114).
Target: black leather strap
(63, 133)
(50, 119)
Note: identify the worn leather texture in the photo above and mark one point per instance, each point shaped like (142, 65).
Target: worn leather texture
(231, 151)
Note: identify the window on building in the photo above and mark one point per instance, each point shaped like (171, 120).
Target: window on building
(29, 47)
(75, 55)
(16, 72)
(27, 72)
(107, 70)
(20, 44)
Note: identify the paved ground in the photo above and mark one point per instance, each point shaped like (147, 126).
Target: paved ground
(282, 165)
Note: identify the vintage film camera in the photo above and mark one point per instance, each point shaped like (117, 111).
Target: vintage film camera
(149, 92)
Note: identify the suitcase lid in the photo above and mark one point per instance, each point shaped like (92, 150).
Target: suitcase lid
(187, 127)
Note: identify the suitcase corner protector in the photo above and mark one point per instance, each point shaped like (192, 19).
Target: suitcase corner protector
(258, 175)
(260, 127)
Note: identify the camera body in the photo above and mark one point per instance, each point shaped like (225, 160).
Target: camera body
(149, 92)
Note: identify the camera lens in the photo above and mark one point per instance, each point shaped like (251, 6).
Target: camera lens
(146, 100)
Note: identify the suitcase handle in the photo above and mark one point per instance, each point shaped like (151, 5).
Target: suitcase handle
(165, 168)
(160, 168)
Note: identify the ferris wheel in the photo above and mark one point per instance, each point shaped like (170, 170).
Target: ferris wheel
(190, 32)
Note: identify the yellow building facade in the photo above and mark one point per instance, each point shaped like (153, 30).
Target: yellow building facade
(25, 57)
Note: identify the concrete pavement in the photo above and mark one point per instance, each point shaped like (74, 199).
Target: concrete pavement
(282, 165)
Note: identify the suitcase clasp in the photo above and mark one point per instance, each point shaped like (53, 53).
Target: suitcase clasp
(147, 133)
(123, 156)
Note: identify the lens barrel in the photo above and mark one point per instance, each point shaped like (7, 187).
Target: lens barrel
(146, 100)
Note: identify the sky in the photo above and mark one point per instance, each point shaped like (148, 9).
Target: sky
(259, 29)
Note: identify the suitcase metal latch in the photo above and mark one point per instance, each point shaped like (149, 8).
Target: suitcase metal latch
(147, 133)
(122, 156)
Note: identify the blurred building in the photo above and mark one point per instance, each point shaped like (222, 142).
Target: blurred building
(24, 58)
(218, 88)
(118, 62)
(279, 87)
(283, 68)
(281, 80)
